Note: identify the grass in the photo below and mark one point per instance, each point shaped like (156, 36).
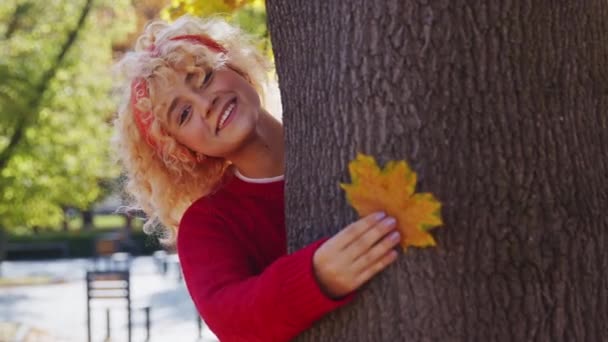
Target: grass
(108, 221)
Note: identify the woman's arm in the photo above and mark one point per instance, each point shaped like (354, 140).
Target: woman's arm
(286, 298)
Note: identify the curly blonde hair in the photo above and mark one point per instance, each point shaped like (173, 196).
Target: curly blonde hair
(161, 181)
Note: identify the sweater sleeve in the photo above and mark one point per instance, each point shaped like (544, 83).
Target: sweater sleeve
(239, 305)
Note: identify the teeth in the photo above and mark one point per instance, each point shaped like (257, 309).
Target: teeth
(225, 115)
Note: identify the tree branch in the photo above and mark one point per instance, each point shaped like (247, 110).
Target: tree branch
(33, 106)
(20, 10)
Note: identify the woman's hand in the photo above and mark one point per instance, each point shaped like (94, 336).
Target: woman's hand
(356, 254)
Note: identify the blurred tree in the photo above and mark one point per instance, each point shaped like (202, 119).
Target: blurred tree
(55, 105)
(250, 15)
(145, 10)
(203, 8)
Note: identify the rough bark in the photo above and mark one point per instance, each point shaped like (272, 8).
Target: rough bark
(500, 106)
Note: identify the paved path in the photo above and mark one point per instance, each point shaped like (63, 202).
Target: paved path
(60, 308)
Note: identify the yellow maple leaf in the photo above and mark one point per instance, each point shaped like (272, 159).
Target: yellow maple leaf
(392, 190)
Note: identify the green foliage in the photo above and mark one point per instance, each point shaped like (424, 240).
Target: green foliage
(202, 8)
(62, 105)
(252, 19)
(250, 15)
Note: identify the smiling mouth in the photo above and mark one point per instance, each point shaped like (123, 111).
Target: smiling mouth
(226, 115)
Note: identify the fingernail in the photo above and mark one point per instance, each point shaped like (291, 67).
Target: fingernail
(379, 215)
(390, 221)
(395, 236)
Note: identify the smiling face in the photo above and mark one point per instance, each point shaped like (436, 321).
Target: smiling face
(211, 112)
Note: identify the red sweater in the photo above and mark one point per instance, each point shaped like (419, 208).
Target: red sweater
(233, 251)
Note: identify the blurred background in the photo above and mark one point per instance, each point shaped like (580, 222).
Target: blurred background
(60, 186)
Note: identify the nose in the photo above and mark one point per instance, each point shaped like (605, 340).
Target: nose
(204, 102)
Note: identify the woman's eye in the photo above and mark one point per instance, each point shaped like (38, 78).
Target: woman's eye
(184, 114)
(207, 78)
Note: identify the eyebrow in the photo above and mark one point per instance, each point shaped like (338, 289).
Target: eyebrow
(176, 100)
(171, 109)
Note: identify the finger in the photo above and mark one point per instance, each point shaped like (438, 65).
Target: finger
(376, 267)
(355, 230)
(383, 247)
(368, 239)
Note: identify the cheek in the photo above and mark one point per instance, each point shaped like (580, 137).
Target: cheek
(251, 94)
(194, 135)
(244, 87)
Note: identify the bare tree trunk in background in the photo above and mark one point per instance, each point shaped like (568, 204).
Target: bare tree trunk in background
(500, 106)
(3, 246)
(87, 219)
(65, 224)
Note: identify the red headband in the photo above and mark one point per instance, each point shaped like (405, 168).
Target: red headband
(139, 90)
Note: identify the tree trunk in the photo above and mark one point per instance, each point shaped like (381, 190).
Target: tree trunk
(3, 246)
(87, 220)
(128, 228)
(65, 224)
(499, 106)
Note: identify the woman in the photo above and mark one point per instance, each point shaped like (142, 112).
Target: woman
(206, 160)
